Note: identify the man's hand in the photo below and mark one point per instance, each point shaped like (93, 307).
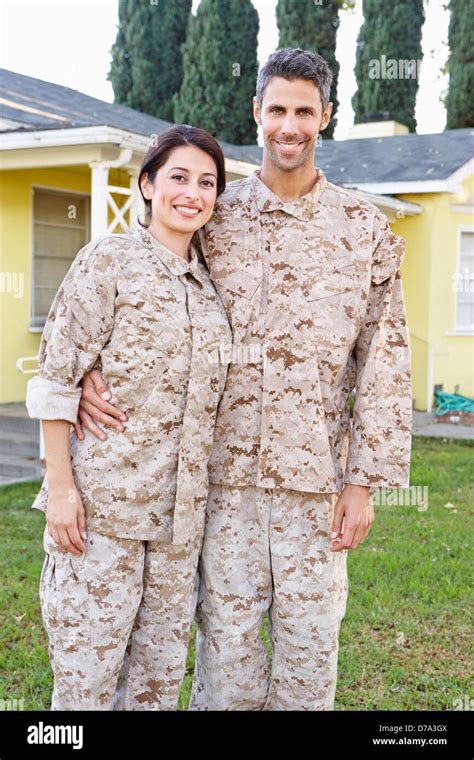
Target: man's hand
(355, 508)
(94, 406)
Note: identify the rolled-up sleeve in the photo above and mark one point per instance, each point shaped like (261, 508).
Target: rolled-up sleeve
(79, 325)
(380, 444)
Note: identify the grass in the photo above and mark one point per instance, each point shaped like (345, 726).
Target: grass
(405, 638)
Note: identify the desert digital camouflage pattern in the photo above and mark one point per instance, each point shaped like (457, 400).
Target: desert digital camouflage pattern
(277, 560)
(122, 595)
(313, 292)
(154, 325)
(118, 617)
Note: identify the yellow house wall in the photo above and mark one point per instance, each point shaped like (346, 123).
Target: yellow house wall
(428, 273)
(16, 252)
(416, 271)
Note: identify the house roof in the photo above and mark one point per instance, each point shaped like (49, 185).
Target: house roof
(30, 104)
(36, 104)
(402, 158)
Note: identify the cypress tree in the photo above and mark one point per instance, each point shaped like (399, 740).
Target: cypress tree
(120, 74)
(146, 68)
(311, 26)
(386, 39)
(460, 101)
(220, 70)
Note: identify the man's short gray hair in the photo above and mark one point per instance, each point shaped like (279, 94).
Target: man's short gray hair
(296, 63)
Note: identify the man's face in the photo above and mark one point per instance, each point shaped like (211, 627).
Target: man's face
(291, 117)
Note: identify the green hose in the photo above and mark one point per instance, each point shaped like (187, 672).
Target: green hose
(452, 402)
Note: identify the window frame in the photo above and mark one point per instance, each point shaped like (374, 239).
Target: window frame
(53, 190)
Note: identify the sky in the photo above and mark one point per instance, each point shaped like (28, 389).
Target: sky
(68, 42)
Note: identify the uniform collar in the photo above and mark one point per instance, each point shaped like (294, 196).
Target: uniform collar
(302, 208)
(176, 264)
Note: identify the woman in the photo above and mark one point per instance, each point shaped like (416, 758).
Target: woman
(142, 307)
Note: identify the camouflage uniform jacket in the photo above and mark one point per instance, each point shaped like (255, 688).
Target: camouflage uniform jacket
(153, 323)
(313, 292)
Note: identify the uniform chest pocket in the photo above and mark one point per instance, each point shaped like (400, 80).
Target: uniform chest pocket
(238, 290)
(149, 329)
(334, 278)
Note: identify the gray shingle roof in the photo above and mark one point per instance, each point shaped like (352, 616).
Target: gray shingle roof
(406, 158)
(78, 109)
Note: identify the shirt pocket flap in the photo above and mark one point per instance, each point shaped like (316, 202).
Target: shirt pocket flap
(146, 327)
(239, 281)
(333, 277)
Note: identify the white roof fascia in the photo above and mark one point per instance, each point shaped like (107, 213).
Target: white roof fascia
(69, 147)
(53, 138)
(451, 184)
(90, 136)
(403, 188)
(389, 203)
(73, 155)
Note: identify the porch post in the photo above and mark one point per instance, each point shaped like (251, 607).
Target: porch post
(99, 183)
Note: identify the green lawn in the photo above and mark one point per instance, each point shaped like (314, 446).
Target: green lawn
(405, 638)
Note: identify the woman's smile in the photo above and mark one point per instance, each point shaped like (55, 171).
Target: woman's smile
(188, 211)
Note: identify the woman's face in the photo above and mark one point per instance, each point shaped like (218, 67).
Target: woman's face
(184, 191)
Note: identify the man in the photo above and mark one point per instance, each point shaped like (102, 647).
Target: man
(309, 275)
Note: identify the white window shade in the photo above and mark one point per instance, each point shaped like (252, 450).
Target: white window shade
(465, 283)
(61, 225)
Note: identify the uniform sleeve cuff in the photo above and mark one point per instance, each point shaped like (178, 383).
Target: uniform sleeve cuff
(377, 473)
(50, 400)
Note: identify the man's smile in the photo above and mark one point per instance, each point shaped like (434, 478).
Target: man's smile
(289, 147)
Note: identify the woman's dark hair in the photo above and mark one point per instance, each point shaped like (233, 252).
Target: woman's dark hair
(163, 144)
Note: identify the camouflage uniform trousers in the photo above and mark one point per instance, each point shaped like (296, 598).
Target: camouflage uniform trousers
(120, 592)
(268, 550)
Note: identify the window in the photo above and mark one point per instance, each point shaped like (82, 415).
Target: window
(61, 228)
(465, 283)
